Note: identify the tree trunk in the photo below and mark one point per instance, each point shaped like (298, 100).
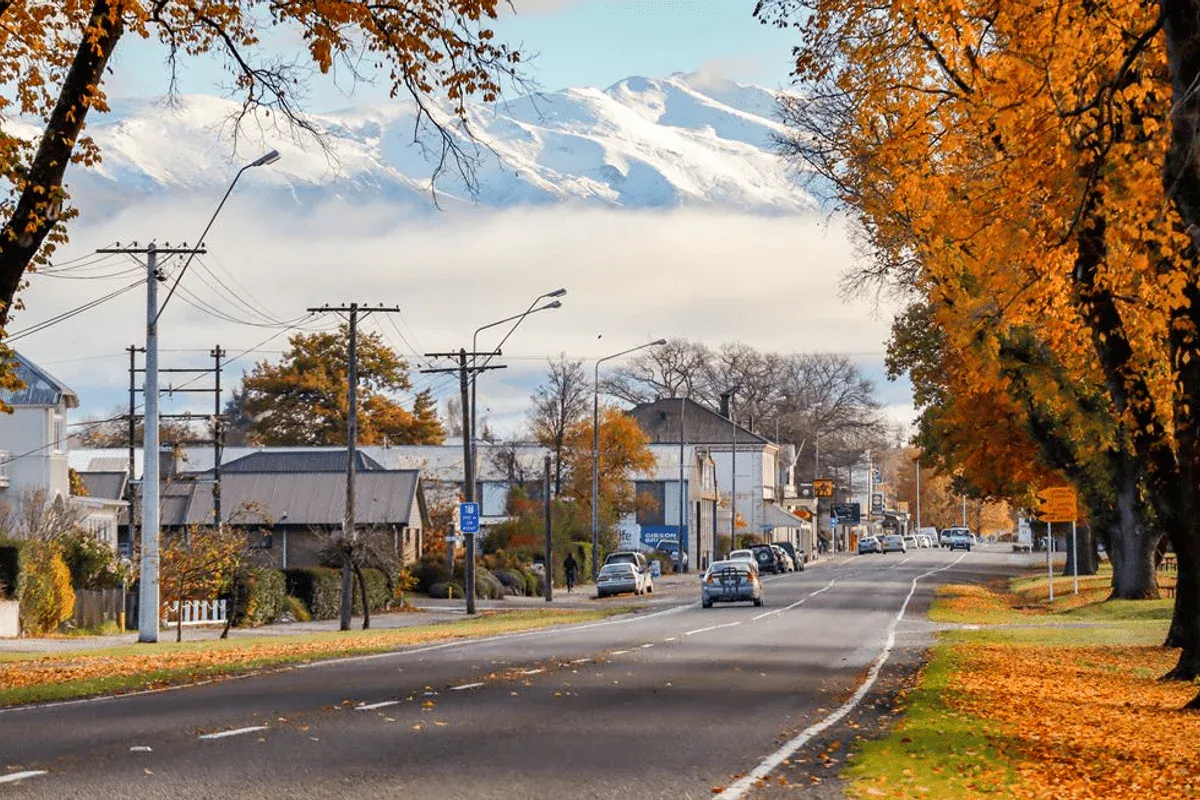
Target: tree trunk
(39, 205)
(232, 609)
(1132, 545)
(1085, 544)
(362, 592)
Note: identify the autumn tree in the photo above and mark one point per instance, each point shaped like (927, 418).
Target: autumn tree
(55, 59)
(198, 565)
(624, 455)
(558, 404)
(112, 430)
(302, 399)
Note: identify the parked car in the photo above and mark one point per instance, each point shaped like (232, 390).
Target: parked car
(764, 556)
(730, 582)
(742, 555)
(893, 543)
(868, 544)
(671, 548)
(784, 558)
(960, 540)
(796, 554)
(629, 557)
(910, 541)
(620, 577)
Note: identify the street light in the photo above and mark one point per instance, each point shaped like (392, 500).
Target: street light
(474, 345)
(148, 593)
(596, 451)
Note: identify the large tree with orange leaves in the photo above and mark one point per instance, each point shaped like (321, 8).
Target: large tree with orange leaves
(1021, 169)
(55, 57)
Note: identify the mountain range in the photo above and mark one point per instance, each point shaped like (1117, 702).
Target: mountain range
(643, 143)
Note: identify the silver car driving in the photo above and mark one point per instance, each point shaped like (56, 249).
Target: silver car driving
(730, 582)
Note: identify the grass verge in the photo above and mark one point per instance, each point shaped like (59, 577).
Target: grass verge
(31, 678)
(1042, 700)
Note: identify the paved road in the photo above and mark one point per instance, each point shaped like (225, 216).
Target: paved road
(668, 703)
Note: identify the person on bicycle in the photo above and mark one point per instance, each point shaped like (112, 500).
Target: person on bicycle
(571, 568)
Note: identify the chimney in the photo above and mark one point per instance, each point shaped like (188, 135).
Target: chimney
(725, 405)
(168, 463)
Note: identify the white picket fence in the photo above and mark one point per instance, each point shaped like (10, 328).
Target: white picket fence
(195, 612)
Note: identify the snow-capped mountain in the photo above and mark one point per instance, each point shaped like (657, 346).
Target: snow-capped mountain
(642, 143)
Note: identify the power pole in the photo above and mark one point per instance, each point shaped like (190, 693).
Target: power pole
(349, 533)
(218, 440)
(148, 594)
(465, 374)
(679, 555)
(130, 490)
(548, 521)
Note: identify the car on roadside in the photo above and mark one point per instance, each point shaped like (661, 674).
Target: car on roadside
(764, 556)
(911, 543)
(892, 543)
(730, 582)
(868, 544)
(784, 558)
(621, 577)
(639, 560)
(670, 548)
(960, 540)
(796, 554)
(742, 555)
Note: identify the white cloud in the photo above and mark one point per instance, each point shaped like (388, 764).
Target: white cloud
(771, 282)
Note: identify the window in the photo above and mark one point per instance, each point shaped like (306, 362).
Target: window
(651, 496)
(3, 469)
(101, 526)
(56, 432)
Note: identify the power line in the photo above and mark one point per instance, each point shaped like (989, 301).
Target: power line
(66, 315)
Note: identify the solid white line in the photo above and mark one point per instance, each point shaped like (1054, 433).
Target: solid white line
(768, 764)
(13, 777)
(712, 628)
(234, 732)
(465, 686)
(374, 706)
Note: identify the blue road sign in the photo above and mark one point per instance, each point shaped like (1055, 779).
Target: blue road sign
(833, 521)
(468, 517)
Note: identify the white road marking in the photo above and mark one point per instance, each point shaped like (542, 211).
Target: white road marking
(581, 661)
(799, 602)
(671, 639)
(711, 628)
(768, 764)
(13, 777)
(465, 686)
(373, 706)
(234, 732)
(531, 671)
(648, 645)
(141, 748)
(618, 652)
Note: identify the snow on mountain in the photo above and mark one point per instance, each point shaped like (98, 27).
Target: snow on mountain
(642, 143)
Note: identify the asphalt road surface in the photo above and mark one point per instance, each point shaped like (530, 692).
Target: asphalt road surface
(671, 702)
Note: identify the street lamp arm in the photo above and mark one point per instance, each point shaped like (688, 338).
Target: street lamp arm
(269, 158)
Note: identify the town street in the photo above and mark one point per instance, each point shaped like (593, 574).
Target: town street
(671, 702)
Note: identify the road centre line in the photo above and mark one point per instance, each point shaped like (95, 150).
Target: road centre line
(13, 777)
(799, 602)
(618, 652)
(463, 686)
(712, 628)
(771, 762)
(374, 706)
(651, 644)
(234, 732)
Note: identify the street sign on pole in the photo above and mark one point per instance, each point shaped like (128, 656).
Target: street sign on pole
(468, 517)
(822, 487)
(847, 513)
(1057, 504)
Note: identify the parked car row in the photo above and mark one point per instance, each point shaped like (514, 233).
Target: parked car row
(894, 543)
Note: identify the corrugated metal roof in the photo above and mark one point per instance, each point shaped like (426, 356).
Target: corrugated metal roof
(299, 461)
(41, 388)
(107, 485)
(382, 497)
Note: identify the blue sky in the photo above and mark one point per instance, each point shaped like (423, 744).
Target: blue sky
(571, 43)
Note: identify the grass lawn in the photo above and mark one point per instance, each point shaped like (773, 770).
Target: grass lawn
(1042, 700)
(28, 678)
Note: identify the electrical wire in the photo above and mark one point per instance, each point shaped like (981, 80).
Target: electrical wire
(66, 315)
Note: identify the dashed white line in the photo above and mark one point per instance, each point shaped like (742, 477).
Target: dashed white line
(671, 639)
(618, 652)
(532, 671)
(465, 686)
(799, 602)
(373, 706)
(234, 732)
(141, 748)
(651, 644)
(13, 777)
(581, 661)
(768, 764)
(711, 628)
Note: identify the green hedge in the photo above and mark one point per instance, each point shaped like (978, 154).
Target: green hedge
(442, 590)
(320, 588)
(261, 597)
(12, 561)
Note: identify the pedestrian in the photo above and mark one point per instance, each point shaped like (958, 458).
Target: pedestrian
(570, 567)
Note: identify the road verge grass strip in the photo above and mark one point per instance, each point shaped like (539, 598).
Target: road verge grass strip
(47, 678)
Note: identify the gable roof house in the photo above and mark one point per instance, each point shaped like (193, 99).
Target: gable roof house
(33, 449)
(298, 498)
